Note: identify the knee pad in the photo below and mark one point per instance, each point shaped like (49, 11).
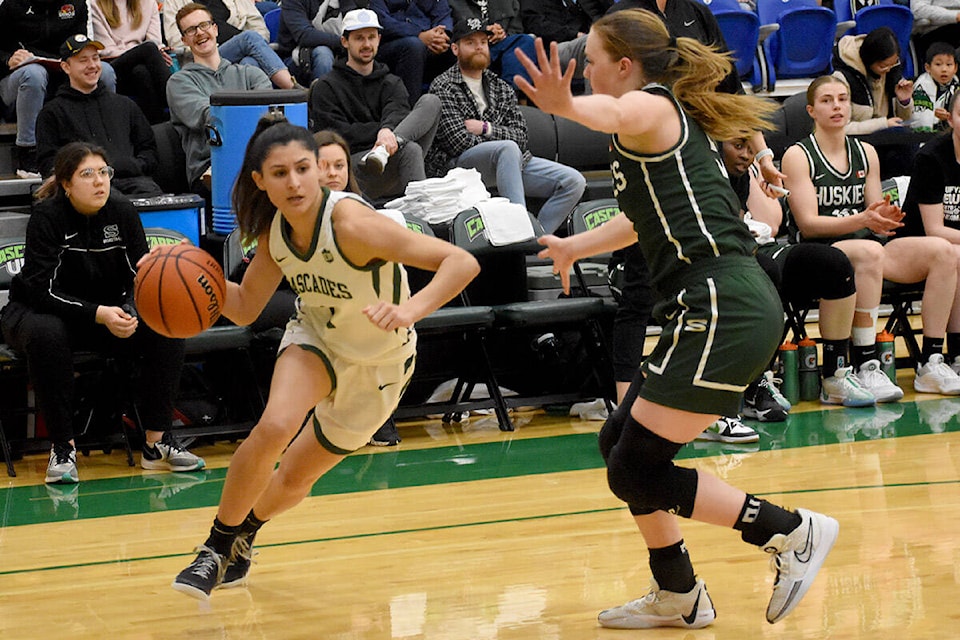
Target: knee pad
(640, 471)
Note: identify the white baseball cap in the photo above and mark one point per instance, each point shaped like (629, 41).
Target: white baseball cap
(359, 19)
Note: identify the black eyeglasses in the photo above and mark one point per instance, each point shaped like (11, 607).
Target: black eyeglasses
(204, 26)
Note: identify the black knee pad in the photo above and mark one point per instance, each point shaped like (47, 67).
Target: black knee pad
(613, 427)
(640, 471)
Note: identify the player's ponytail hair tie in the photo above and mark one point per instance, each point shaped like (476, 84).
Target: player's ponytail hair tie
(672, 43)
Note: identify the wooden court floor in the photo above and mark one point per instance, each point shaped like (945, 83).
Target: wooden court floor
(466, 533)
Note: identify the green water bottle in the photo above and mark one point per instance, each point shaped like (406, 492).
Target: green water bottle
(888, 358)
(789, 373)
(808, 371)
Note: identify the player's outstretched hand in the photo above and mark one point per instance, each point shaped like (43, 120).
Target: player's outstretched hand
(558, 250)
(549, 86)
(389, 316)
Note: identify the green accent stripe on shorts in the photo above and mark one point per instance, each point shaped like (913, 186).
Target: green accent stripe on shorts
(326, 362)
(326, 444)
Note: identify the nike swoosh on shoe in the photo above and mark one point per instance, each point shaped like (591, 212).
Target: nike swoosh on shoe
(804, 554)
(690, 619)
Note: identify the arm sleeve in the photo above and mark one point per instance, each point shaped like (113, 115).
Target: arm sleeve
(300, 25)
(932, 14)
(927, 182)
(144, 142)
(396, 103)
(154, 33)
(440, 14)
(452, 135)
(249, 18)
(392, 27)
(329, 113)
(48, 143)
(170, 29)
(103, 33)
(508, 123)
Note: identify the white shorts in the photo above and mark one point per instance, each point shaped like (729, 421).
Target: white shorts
(363, 395)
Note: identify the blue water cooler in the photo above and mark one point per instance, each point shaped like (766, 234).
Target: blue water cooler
(233, 119)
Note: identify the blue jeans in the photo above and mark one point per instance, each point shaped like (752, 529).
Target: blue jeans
(26, 88)
(500, 163)
(249, 48)
(504, 52)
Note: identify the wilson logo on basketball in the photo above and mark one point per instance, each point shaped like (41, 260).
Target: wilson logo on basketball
(213, 307)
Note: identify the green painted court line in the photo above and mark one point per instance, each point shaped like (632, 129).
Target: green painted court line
(445, 527)
(399, 468)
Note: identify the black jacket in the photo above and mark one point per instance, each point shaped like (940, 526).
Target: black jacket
(102, 117)
(39, 26)
(73, 262)
(560, 20)
(357, 106)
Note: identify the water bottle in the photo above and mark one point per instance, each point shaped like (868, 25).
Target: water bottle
(175, 65)
(888, 359)
(788, 372)
(809, 373)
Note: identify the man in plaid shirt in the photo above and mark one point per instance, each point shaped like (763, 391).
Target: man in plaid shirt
(481, 127)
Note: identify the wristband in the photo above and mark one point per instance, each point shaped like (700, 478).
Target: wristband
(763, 153)
(485, 128)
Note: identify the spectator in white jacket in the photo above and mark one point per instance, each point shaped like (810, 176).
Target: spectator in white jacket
(935, 21)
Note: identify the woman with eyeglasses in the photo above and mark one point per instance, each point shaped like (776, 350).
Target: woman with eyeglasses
(879, 94)
(74, 293)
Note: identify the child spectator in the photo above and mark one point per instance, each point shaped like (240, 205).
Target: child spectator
(932, 90)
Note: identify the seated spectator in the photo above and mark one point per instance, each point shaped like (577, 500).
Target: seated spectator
(933, 201)
(130, 34)
(365, 103)
(188, 90)
(835, 198)
(879, 94)
(416, 38)
(481, 127)
(502, 21)
(934, 21)
(30, 30)
(241, 33)
(84, 110)
(934, 88)
(803, 272)
(75, 291)
(310, 36)
(564, 22)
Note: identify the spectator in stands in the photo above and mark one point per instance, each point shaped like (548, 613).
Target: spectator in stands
(188, 90)
(366, 104)
(934, 21)
(416, 38)
(33, 30)
(75, 291)
(481, 127)
(130, 34)
(933, 200)
(241, 33)
(835, 198)
(85, 110)
(565, 22)
(879, 94)
(310, 36)
(934, 88)
(803, 272)
(502, 19)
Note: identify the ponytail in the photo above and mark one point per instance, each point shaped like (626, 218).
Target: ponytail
(690, 68)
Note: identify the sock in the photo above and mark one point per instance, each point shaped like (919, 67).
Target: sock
(931, 346)
(760, 520)
(672, 568)
(953, 346)
(221, 537)
(863, 353)
(251, 524)
(834, 356)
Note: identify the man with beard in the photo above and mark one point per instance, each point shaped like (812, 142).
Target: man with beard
(481, 127)
(362, 101)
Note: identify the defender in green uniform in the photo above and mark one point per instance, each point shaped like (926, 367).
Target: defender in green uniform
(720, 314)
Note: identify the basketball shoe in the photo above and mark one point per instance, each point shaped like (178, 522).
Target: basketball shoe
(760, 400)
(62, 466)
(662, 608)
(387, 435)
(797, 557)
(238, 566)
(843, 387)
(937, 377)
(729, 430)
(873, 379)
(203, 575)
(168, 453)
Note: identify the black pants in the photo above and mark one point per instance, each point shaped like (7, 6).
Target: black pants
(142, 75)
(48, 343)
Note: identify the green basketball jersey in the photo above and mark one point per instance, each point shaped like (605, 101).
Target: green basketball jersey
(680, 201)
(838, 194)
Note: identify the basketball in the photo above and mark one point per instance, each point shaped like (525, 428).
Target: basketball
(179, 290)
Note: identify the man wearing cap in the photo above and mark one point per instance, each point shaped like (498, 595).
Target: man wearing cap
(416, 38)
(502, 19)
(362, 101)
(481, 127)
(188, 90)
(35, 29)
(84, 110)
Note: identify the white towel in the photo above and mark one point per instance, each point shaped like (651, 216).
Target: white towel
(505, 222)
(394, 214)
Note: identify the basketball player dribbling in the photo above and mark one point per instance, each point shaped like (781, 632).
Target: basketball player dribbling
(347, 355)
(721, 316)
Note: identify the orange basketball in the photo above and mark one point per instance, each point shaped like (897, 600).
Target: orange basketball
(180, 290)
